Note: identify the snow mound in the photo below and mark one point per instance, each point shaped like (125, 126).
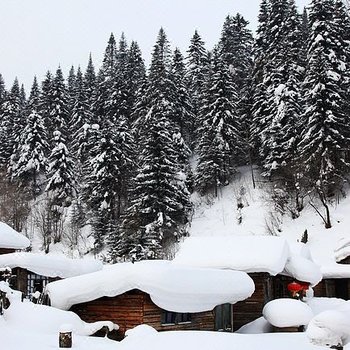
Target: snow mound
(329, 328)
(11, 239)
(287, 313)
(49, 320)
(242, 253)
(217, 340)
(50, 265)
(173, 288)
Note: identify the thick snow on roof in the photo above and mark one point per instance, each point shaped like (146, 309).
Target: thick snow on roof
(243, 253)
(50, 265)
(173, 288)
(287, 313)
(303, 269)
(11, 239)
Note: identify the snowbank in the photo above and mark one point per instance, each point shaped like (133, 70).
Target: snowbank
(32, 327)
(242, 253)
(329, 328)
(173, 288)
(216, 340)
(50, 265)
(287, 313)
(11, 239)
(34, 317)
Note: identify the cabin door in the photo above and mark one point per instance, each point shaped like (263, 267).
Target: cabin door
(223, 318)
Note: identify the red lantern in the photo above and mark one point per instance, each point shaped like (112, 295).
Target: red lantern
(304, 286)
(294, 287)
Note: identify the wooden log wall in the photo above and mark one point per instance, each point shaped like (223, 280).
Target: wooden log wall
(250, 309)
(6, 251)
(134, 308)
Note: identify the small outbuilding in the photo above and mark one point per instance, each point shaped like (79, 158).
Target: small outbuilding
(157, 293)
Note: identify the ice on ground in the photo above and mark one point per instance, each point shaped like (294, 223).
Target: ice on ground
(171, 287)
(11, 239)
(50, 265)
(287, 313)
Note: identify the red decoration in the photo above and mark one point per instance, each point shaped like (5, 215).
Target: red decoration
(294, 287)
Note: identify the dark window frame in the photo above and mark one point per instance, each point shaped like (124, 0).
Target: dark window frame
(169, 318)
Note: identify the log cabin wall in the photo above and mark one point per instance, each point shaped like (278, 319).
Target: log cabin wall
(250, 309)
(6, 251)
(152, 316)
(134, 308)
(333, 288)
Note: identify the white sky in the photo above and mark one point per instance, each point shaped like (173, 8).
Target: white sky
(37, 35)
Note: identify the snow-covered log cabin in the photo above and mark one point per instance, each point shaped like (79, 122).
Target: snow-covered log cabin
(11, 240)
(270, 261)
(31, 271)
(156, 293)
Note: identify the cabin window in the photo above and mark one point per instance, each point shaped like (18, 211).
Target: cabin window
(169, 317)
(35, 283)
(223, 318)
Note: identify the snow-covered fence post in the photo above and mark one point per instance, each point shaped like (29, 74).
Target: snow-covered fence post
(65, 336)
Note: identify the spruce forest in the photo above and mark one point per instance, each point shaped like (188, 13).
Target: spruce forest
(120, 148)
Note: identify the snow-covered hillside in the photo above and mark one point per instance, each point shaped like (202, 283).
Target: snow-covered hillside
(241, 209)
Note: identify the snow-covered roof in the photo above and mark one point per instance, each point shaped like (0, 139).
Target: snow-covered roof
(243, 253)
(173, 288)
(11, 239)
(50, 265)
(303, 269)
(250, 254)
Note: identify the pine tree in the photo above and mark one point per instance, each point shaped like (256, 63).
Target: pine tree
(90, 82)
(11, 125)
(220, 138)
(325, 140)
(160, 200)
(195, 80)
(60, 180)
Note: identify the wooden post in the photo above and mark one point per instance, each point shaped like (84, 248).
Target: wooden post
(65, 336)
(65, 340)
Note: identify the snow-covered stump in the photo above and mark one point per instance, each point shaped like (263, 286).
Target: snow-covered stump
(65, 336)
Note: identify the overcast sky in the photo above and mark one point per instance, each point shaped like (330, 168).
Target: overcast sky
(38, 35)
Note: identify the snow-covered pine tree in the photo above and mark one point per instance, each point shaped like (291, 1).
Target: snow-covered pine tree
(260, 84)
(236, 45)
(160, 200)
(46, 103)
(11, 125)
(220, 138)
(71, 82)
(285, 101)
(90, 82)
(195, 79)
(30, 167)
(136, 74)
(324, 145)
(59, 113)
(60, 181)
